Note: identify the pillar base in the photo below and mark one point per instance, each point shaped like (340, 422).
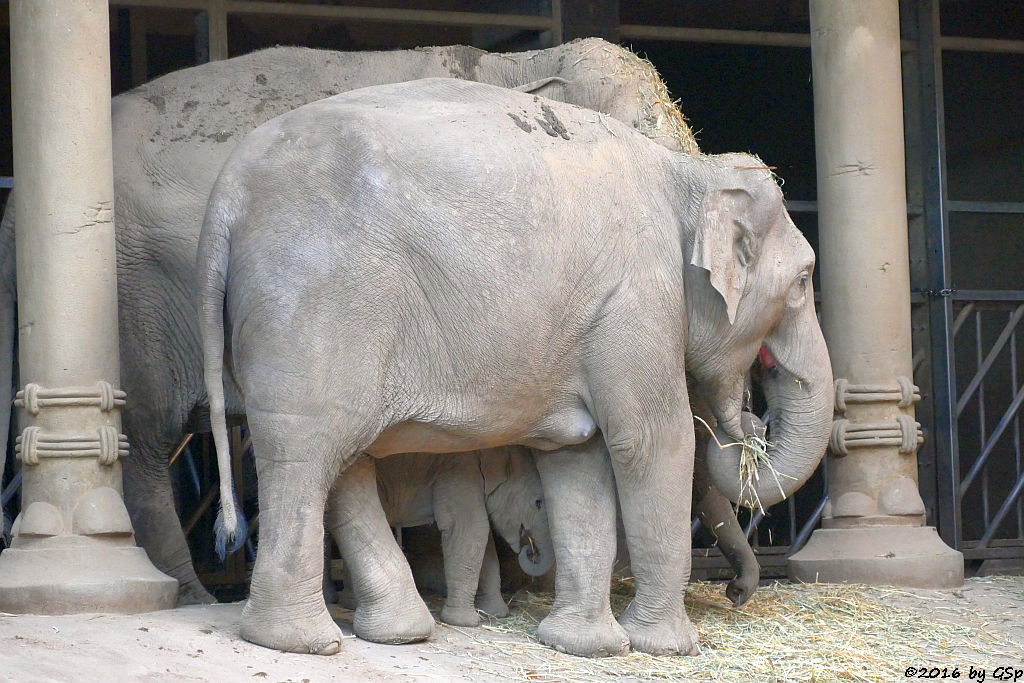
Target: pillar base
(82, 575)
(882, 555)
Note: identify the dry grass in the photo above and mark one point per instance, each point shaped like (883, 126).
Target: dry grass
(754, 461)
(786, 632)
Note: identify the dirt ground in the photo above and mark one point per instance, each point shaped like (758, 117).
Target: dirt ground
(785, 633)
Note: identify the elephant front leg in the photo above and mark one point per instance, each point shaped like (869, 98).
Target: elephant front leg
(389, 608)
(653, 475)
(579, 491)
(461, 514)
(488, 593)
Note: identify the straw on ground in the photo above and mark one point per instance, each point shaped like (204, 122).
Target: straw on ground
(786, 632)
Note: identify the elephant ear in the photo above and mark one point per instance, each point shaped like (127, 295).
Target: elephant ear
(725, 244)
(495, 468)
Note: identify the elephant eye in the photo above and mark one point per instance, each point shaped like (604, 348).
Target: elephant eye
(798, 290)
(539, 503)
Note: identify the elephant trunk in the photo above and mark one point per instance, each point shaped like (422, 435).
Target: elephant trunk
(800, 398)
(536, 553)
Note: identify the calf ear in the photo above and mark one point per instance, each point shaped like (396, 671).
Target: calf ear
(494, 466)
(724, 243)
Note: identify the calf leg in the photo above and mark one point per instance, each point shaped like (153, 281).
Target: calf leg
(488, 592)
(461, 514)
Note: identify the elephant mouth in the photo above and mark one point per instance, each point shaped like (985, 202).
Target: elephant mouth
(526, 544)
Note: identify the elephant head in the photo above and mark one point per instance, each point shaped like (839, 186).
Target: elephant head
(748, 284)
(515, 504)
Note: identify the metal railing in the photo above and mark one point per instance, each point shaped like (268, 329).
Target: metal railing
(988, 334)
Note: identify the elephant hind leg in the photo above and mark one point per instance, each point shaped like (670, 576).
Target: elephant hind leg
(390, 609)
(286, 609)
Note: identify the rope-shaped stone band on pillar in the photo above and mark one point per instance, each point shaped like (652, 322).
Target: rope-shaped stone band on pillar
(102, 394)
(905, 393)
(904, 432)
(106, 444)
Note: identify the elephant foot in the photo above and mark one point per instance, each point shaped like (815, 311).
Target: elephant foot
(393, 620)
(493, 606)
(460, 616)
(572, 634)
(674, 635)
(317, 635)
(193, 593)
(740, 589)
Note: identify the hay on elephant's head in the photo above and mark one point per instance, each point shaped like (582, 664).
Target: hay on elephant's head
(661, 117)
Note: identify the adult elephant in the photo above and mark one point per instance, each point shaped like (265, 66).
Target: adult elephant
(442, 266)
(171, 138)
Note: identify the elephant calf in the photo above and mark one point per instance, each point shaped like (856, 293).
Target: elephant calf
(464, 494)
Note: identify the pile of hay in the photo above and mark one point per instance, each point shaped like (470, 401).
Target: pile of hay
(786, 632)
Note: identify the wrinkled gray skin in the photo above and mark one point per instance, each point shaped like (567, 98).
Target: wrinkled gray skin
(171, 138)
(464, 494)
(717, 516)
(408, 268)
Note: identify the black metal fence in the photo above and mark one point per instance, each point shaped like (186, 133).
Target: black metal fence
(968, 354)
(988, 334)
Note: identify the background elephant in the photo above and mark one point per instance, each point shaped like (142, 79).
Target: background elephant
(464, 494)
(502, 283)
(171, 138)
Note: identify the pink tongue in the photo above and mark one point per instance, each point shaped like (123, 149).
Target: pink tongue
(766, 358)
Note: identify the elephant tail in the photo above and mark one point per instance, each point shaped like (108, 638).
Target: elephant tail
(211, 277)
(8, 304)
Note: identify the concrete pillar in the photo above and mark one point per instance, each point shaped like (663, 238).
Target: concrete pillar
(873, 526)
(73, 549)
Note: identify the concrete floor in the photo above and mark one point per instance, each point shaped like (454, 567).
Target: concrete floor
(201, 643)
